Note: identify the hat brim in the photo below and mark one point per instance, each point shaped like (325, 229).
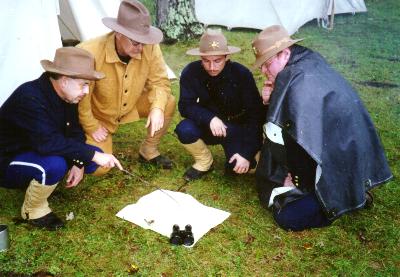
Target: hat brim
(197, 52)
(263, 58)
(154, 36)
(50, 67)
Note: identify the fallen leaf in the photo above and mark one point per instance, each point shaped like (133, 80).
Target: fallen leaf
(362, 237)
(121, 184)
(133, 269)
(277, 237)
(215, 197)
(250, 239)
(278, 257)
(69, 216)
(307, 246)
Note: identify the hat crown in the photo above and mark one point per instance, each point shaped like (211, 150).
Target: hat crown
(134, 16)
(74, 59)
(270, 42)
(270, 38)
(212, 41)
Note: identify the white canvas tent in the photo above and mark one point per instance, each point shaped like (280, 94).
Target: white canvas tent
(259, 14)
(31, 32)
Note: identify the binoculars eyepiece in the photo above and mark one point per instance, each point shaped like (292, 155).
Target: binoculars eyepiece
(179, 236)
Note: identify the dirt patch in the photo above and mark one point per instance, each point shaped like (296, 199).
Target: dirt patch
(391, 59)
(378, 84)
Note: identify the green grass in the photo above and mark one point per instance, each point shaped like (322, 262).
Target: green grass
(364, 47)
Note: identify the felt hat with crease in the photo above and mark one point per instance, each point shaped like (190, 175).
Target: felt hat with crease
(133, 21)
(213, 42)
(73, 62)
(270, 42)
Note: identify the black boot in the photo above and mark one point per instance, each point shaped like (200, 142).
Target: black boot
(159, 161)
(50, 222)
(193, 174)
(369, 200)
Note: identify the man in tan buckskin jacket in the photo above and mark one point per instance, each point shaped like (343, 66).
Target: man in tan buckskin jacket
(136, 84)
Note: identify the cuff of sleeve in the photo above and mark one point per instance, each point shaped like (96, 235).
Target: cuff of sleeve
(78, 163)
(91, 129)
(159, 101)
(205, 119)
(84, 159)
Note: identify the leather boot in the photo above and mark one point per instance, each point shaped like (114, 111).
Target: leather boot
(203, 160)
(148, 152)
(35, 208)
(257, 158)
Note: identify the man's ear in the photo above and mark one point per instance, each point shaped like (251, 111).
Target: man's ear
(286, 54)
(62, 82)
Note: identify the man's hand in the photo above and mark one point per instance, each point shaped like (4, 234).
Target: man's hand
(100, 134)
(155, 120)
(288, 182)
(106, 160)
(242, 165)
(75, 175)
(218, 128)
(266, 91)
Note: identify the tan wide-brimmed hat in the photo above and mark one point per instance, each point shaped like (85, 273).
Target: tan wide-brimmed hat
(270, 42)
(73, 62)
(212, 43)
(133, 21)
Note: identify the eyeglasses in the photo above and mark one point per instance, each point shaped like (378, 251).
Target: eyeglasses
(134, 43)
(268, 62)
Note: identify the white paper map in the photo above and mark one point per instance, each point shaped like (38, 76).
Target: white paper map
(157, 211)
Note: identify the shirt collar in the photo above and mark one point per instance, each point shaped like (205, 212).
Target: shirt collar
(111, 52)
(49, 91)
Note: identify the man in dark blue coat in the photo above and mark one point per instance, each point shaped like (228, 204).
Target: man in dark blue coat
(321, 155)
(40, 136)
(221, 105)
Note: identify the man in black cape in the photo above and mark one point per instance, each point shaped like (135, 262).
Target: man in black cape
(321, 154)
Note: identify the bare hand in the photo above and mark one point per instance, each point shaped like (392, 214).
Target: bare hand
(75, 175)
(242, 165)
(218, 128)
(100, 134)
(288, 182)
(266, 91)
(155, 120)
(106, 160)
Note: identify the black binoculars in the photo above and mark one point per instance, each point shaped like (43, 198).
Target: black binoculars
(179, 236)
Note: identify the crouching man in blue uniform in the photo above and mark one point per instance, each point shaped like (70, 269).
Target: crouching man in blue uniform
(40, 137)
(321, 155)
(221, 105)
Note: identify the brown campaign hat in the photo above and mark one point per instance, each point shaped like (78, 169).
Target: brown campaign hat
(73, 62)
(133, 21)
(213, 42)
(270, 42)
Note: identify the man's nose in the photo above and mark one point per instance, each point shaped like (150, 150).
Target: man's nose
(264, 69)
(85, 89)
(212, 66)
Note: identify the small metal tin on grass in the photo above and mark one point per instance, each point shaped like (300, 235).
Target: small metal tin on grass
(4, 239)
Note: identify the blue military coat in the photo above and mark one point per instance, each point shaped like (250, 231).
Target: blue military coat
(232, 96)
(35, 118)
